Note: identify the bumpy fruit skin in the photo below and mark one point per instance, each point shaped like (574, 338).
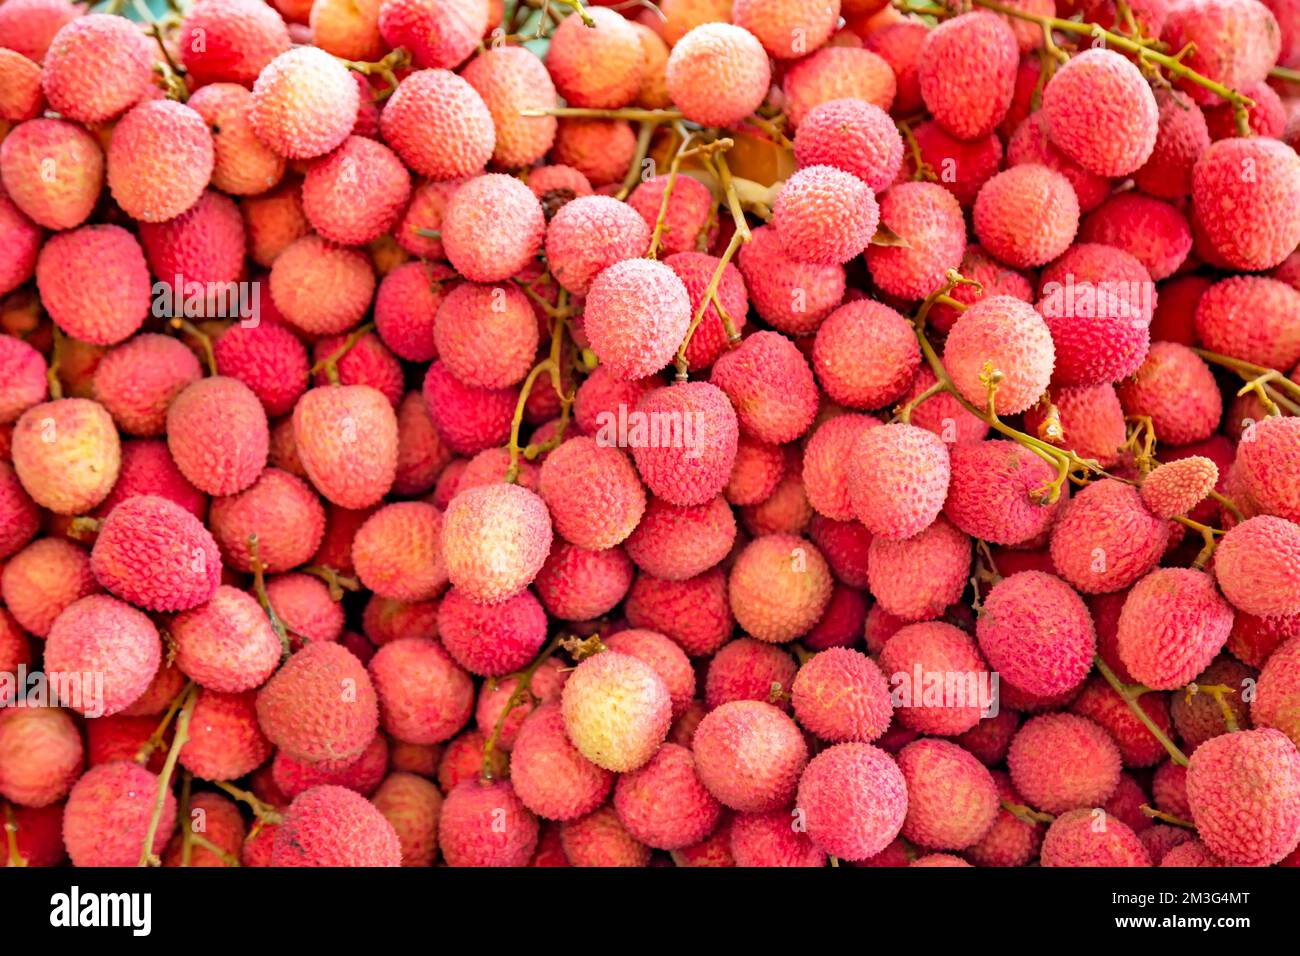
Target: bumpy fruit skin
(771, 387)
(828, 451)
(770, 839)
(593, 493)
(788, 30)
(779, 587)
(1271, 335)
(438, 33)
(23, 237)
(1177, 487)
(346, 436)
(865, 355)
(916, 578)
(160, 160)
(284, 513)
(1230, 207)
(1154, 232)
(304, 103)
(321, 288)
(933, 647)
(102, 635)
(53, 172)
(398, 552)
(424, 697)
(688, 221)
(718, 74)
(678, 542)
(362, 775)
(995, 492)
(1175, 388)
(749, 755)
(230, 41)
(841, 695)
(1075, 839)
(617, 710)
(746, 669)
(1257, 565)
(854, 799)
(596, 65)
(28, 26)
(825, 215)
(1242, 790)
(1008, 333)
(663, 804)
(226, 644)
(898, 479)
(412, 805)
(1236, 42)
(929, 218)
(333, 826)
(107, 815)
(320, 706)
(636, 316)
(1138, 747)
(356, 193)
(1061, 762)
(66, 454)
(138, 380)
(94, 283)
(952, 800)
(303, 603)
(967, 72)
(510, 80)
(439, 125)
(833, 73)
(468, 420)
(495, 539)
(406, 305)
(793, 297)
(217, 434)
(1102, 113)
(1181, 138)
(693, 468)
(492, 639)
(1173, 624)
(1027, 215)
(96, 68)
(41, 580)
(1037, 632)
(41, 755)
(589, 234)
(1105, 538)
(492, 226)
(601, 839)
(155, 554)
(853, 135)
(25, 384)
(551, 777)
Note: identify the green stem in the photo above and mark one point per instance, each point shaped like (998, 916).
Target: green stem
(1130, 694)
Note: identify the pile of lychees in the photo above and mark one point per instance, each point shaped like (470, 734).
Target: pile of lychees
(725, 432)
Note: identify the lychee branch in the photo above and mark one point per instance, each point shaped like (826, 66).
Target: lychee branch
(159, 735)
(1207, 535)
(523, 685)
(1145, 51)
(264, 812)
(1263, 381)
(1154, 814)
(551, 365)
(147, 856)
(337, 583)
(11, 838)
(56, 359)
(1026, 815)
(1220, 693)
(204, 340)
(398, 59)
(1130, 693)
(259, 589)
(330, 364)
